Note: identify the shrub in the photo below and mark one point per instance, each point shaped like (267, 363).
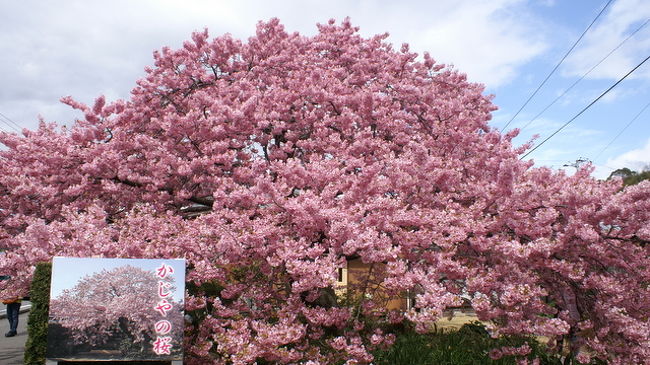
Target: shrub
(469, 345)
(39, 293)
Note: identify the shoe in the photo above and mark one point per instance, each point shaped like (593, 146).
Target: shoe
(10, 334)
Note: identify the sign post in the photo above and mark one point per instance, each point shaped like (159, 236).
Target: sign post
(116, 310)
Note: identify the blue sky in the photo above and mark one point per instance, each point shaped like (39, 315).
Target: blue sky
(67, 271)
(88, 48)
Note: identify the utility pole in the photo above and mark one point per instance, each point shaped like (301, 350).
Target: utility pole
(578, 163)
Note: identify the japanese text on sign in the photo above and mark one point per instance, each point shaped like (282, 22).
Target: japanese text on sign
(162, 344)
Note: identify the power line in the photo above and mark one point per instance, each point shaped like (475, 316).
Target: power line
(4, 120)
(9, 125)
(587, 73)
(605, 166)
(623, 130)
(556, 66)
(585, 108)
(9, 119)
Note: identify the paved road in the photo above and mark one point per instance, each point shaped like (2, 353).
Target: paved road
(12, 348)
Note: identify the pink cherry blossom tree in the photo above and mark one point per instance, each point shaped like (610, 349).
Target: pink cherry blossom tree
(269, 163)
(119, 301)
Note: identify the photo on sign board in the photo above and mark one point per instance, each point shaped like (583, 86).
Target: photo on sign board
(116, 309)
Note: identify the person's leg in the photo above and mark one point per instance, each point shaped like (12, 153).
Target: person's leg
(13, 310)
(10, 318)
(16, 313)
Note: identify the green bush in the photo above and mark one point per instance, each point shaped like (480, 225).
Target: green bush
(469, 345)
(35, 347)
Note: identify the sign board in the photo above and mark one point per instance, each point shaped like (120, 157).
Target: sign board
(116, 309)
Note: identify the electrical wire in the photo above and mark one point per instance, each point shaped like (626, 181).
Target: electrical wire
(623, 130)
(556, 66)
(585, 108)
(4, 119)
(585, 75)
(8, 125)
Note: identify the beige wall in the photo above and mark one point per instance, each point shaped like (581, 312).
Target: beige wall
(358, 278)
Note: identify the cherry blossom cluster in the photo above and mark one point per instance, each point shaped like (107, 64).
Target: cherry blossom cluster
(269, 163)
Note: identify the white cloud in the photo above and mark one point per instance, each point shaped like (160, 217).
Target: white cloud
(84, 49)
(636, 159)
(488, 40)
(623, 18)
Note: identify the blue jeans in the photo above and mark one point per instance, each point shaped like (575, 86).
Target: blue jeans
(13, 309)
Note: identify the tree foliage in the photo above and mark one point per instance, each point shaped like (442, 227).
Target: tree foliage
(630, 177)
(302, 152)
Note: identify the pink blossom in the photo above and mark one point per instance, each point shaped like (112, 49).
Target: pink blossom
(271, 162)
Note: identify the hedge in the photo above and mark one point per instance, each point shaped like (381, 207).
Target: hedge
(39, 294)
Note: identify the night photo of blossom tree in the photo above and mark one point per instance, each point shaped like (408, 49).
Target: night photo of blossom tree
(269, 163)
